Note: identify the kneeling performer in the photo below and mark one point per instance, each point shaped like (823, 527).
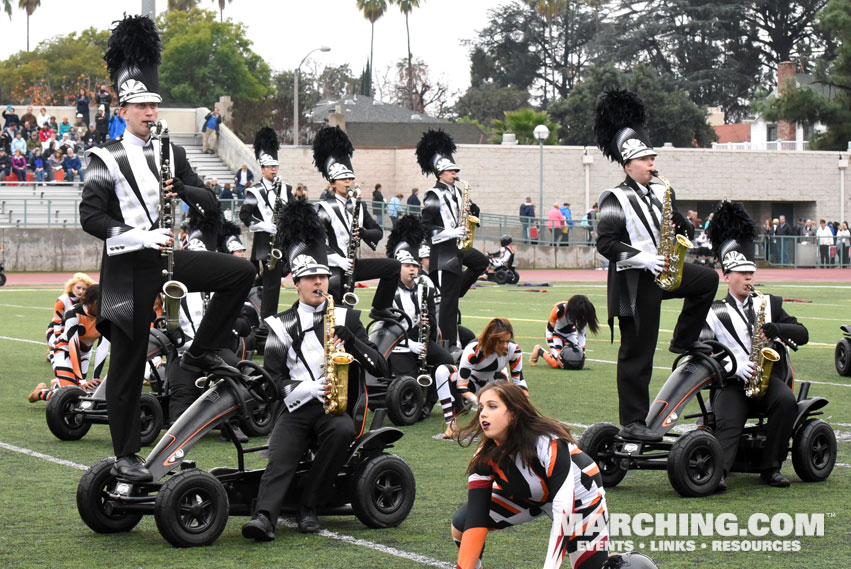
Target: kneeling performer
(566, 329)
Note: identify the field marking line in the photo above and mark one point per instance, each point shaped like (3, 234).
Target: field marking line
(27, 307)
(415, 557)
(40, 343)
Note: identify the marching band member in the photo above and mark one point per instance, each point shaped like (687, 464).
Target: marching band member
(332, 154)
(121, 205)
(732, 321)
(443, 213)
(74, 289)
(525, 466)
(629, 229)
(566, 328)
(295, 358)
(258, 214)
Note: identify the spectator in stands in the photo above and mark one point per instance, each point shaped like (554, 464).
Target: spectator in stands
(591, 221)
(104, 99)
(527, 213)
(50, 145)
(378, 205)
(300, 192)
(211, 130)
(11, 117)
(29, 117)
(39, 173)
(843, 244)
(5, 163)
(54, 126)
(555, 221)
(43, 118)
(26, 129)
(64, 126)
(215, 187)
(66, 143)
(91, 138)
(825, 241)
(72, 166)
(394, 208)
(242, 178)
(227, 194)
(32, 144)
(117, 124)
(568, 224)
(101, 125)
(414, 201)
(79, 125)
(18, 143)
(54, 164)
(44, 132)
(6, 138)
(83, 101)
(19, 165)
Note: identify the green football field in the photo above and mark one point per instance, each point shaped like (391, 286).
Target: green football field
(40, 527)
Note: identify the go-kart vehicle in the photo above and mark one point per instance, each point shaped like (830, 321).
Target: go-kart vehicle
(2, 275)
(191, 506)
(842, 355)
(694, 459)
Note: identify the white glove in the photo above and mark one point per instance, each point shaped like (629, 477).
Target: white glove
(136, 239)
(456, 233)
(263, 226)
(317, 388)
(416, 347)
(653, 263)
(336, 260)
(745, 370)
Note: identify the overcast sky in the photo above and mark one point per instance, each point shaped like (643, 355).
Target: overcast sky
(284, 31)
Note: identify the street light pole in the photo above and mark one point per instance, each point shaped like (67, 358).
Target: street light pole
(541, 133)
(295, 91)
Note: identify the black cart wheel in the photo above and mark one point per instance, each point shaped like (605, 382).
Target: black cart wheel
(404, 401)
(501, 276)
(515, 276)
(261, 420)
(151, 418)
(842, 357)
(191, 509)
(383, 491)
(93, 494)
(814, 451)
(2, 278)
(695, 464)
(62, 417)
(598, 442)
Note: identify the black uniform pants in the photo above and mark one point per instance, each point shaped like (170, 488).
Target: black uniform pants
(229, 277)
(454, 286)
(386, 270)
(640, 334)
(271, 279)
(732, 408)
(288, 444)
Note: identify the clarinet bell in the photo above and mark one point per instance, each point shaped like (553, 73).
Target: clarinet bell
(350, 299)
(424, 380)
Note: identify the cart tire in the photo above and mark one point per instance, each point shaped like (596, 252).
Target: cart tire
(191, 509)
(515, 277)
(695, 464)
(64, 423)
(150, 418)
(92, 497)
(404, 401)
(501, 276)
(814, 451)
(383, 491)
(842, 357)
(2, 278)
(598, 442)
(261, 421)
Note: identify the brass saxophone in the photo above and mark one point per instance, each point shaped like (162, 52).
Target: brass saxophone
(173, 291)
(467, 221)
(672, 245)
(275, 253)
(761, 355)
(336, 366)
(423, 379)
(350, 299)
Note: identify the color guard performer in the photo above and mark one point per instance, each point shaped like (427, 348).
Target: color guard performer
(629, 230)
(566, 330)
(347, 223)
(444, 211)
(121, 202)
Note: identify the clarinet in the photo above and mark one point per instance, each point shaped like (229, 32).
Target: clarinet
(173, 291)
(275, 253)
(423, 379)
(349, 297)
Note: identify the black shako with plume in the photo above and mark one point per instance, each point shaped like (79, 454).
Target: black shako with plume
(732, 232)
(266, 147)
(303, 237)
(403, 243)
(619, 121)
(434, 152)
(214, 228)
(133, 56)
(332, 154)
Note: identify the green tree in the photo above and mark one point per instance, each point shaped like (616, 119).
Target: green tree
(428, 94)
(7, 7)
(218, 54)
(182, 5)
(522, 124)
(372, 11)
(549, 9)
(487, 101)
(29, 6)
(672, 116)
(406, 7)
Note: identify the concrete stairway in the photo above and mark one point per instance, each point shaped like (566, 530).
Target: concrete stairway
(206, 165)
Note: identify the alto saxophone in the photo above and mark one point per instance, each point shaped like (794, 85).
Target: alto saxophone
(423, 379)
(173, 290)
(672, 246)
(761, 355)
(336, 366)
(275, 253)
(350, 299)
(468, 222)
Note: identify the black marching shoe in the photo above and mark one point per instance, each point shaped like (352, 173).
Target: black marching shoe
(696, 347)
(259, 528)
(722, 485)
(307, 520)
(241, 437)
(207, 362)
(638, 431)
(773, 478)
(131, 468)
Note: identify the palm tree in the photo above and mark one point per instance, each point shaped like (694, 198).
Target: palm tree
(222, 8)
(181, 5)
(372, 10)
(406, 7)
(29, 6)
(7, 7)
(549, 9)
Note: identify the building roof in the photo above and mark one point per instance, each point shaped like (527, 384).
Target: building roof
(738, 132)
(362, 109)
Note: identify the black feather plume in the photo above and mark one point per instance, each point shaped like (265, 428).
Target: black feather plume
(433, 142)
(330, 141)
(409, 229)
(617, 109)
(134, 40)
(300, 224)
(730, 221)
(231, 229)
(266, 141)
